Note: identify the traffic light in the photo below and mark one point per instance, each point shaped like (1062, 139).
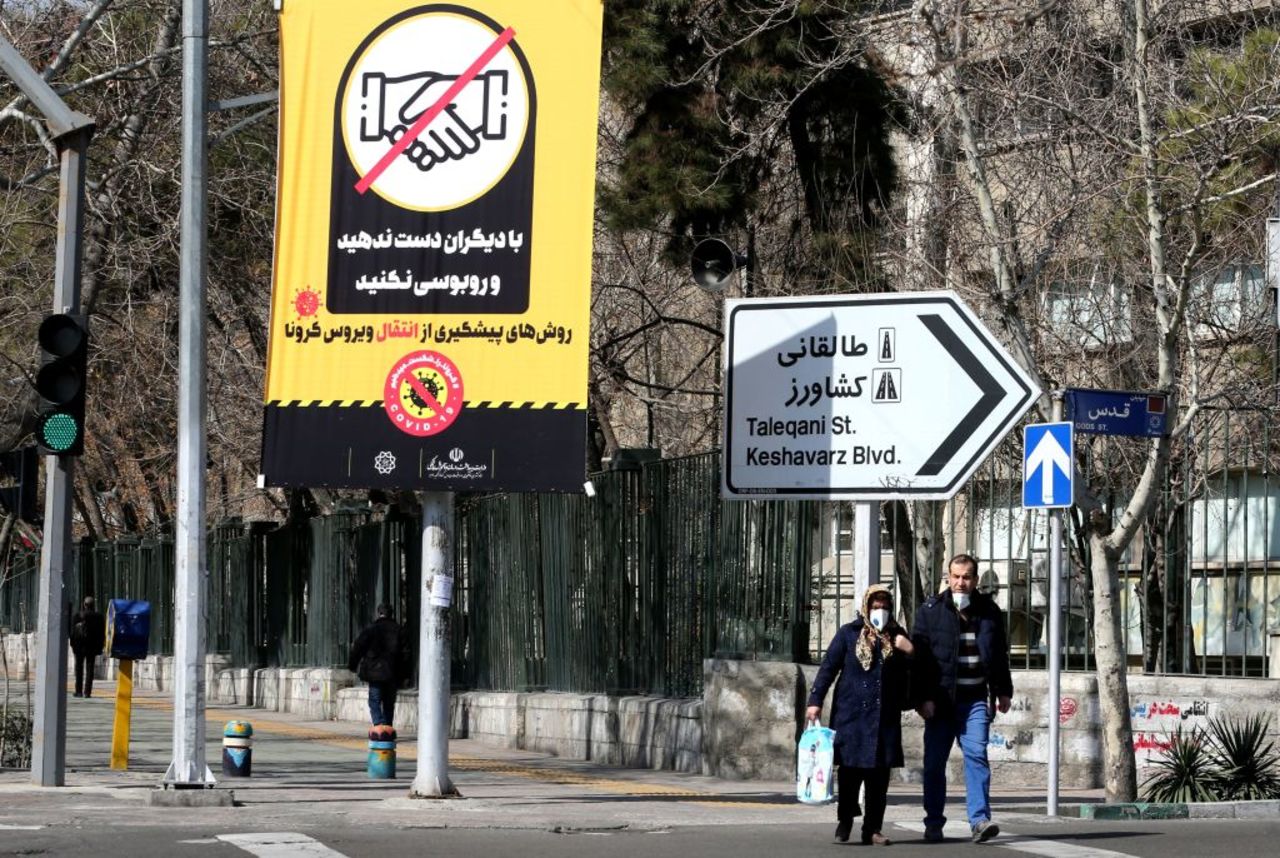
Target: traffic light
(64, 351)
(20, 466)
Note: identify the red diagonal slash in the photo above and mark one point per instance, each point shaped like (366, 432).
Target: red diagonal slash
(425, 119)
(421, 390)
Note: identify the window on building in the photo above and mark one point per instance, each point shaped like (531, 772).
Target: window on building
(1236, 520)
(1092, 312)
(1230, 300)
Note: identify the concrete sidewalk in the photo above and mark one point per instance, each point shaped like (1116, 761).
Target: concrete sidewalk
(308, 772)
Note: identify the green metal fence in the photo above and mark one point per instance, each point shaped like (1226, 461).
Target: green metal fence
(629, 590)
(1200, 585)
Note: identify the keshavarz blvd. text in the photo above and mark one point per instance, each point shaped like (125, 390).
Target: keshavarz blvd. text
(789, 458)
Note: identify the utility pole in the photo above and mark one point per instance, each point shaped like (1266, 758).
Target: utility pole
(71, 132)
(432, 779)
(188, 768)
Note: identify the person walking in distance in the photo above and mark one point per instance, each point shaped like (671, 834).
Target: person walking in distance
(871, 656)
(380, 657)
(962, 666)
(88, 635)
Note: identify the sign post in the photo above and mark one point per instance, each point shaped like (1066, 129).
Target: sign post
(1048, 483)
(863, 397)
(128, 634)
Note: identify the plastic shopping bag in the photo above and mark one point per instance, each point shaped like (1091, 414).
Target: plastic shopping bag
(815, 762)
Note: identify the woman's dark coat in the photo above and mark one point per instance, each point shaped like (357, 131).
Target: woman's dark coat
(866, 712)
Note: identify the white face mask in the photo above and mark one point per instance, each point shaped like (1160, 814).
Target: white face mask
(961, 600)
(879, 618)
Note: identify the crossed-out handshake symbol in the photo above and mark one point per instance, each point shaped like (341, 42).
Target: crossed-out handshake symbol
(390, 105)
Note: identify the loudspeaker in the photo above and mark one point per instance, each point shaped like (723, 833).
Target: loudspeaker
(713, 263)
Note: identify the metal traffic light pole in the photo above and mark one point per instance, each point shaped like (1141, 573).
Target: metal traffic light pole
(71, 133)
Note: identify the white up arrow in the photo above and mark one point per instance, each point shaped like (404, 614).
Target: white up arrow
(1047, 455)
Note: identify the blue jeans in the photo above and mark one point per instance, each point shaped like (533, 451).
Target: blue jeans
(382, 702)
(970, 725)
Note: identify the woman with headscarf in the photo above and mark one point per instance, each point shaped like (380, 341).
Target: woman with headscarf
(871, 655)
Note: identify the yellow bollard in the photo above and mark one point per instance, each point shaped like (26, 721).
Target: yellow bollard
(124, 712)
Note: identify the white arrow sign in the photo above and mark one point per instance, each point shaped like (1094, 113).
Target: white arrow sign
(863, 397)
(1049, 458)
(1047, 450)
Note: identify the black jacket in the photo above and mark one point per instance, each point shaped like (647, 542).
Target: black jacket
(88, 633)
(381, 652)
(936, 636)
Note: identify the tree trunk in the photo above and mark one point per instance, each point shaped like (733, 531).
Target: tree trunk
(916, 533)
(1119, 772)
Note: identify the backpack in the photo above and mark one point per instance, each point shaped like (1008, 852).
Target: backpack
(80, 632)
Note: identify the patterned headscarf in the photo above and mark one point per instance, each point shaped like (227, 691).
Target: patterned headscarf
(869, 639)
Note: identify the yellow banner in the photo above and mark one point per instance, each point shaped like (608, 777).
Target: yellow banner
(431, 293)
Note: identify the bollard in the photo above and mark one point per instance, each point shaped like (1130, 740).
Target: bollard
(237, 749)
(382, 752)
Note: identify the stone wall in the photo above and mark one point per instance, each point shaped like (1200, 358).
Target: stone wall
(637, 732)
(19, 655)
(749, 732)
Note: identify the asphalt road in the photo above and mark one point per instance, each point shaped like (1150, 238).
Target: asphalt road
(1068, 839)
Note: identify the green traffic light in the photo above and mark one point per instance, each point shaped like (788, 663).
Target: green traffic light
(59, 432)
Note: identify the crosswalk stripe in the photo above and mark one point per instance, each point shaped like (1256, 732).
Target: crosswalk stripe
(285, 844)
(1022, 843)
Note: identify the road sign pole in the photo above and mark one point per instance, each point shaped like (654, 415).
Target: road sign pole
(866, 537)
(1055, 637)
(432, 779)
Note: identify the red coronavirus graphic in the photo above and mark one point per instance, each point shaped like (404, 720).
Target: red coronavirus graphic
(306, 302)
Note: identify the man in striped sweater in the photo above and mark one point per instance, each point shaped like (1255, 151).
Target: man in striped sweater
(962, 664)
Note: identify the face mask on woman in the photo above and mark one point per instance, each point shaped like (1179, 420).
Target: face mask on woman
(879, 618)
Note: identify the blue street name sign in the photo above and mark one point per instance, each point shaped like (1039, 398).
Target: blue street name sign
(1116, 412)
(1046, 466)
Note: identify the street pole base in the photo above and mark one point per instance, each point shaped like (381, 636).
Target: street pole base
(183, 776)
(434, 789)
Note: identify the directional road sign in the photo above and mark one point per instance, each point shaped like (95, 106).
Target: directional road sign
(863, 397)
(1046, 466)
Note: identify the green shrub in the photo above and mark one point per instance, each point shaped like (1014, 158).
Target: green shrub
(1185, 770)
(15, 742)
(1247, 763)
(1233, 760)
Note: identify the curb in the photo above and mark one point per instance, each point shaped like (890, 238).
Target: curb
(1134, 810)
(1175, 810)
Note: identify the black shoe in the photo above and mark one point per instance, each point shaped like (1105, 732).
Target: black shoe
(76, 694)
(984, 831)
(933, 834)
(843, 830)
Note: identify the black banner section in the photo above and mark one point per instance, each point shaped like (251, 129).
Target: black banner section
(469, 258)
(358, 447)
